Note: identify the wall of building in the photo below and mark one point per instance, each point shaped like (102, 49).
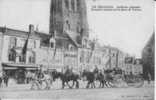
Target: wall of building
(69, 15)
(1, 47)
(148, 57)
(33, 45)
(5, 49)
(45, 56)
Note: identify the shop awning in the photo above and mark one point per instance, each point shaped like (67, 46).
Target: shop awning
(11, 68)
(16, 65)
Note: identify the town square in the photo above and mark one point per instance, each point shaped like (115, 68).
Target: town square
(53, 50)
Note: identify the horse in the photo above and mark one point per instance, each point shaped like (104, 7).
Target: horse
(90, 77)
(101, 78)
(1, 80)
(67, 77)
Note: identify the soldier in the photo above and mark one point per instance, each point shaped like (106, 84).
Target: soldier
(96, 70)
(101, 73)
(149, 78)
(67, 70)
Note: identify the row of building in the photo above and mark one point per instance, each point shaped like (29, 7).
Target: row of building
(67, 43)
(41, 52)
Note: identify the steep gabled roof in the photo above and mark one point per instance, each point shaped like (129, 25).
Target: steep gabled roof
(21, 33)
(72, 36)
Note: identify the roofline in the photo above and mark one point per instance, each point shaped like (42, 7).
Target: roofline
(21, 31)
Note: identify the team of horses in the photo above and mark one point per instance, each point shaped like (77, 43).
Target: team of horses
(104, 78)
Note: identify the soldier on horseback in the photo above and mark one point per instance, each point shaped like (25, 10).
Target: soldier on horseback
(96, 70)
(69, 71)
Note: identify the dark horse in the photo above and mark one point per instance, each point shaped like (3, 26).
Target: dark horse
(1, 80)
(66, 77)
(101, 78)
(91, 77)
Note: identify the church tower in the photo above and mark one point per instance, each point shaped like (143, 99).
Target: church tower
(69, 17)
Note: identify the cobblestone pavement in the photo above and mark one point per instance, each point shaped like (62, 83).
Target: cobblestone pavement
(55, 93)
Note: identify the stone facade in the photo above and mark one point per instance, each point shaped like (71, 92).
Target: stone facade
(68, 18)
(12, 43)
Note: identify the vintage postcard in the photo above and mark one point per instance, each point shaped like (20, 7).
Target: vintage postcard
(77, 49)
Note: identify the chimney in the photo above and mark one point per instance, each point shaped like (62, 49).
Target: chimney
(31, 28)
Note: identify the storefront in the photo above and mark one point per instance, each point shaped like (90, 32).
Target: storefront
(18, 71)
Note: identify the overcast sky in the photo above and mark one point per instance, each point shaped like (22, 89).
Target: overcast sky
(129, 31)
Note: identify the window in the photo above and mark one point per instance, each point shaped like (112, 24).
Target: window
(21, 42)
(85, 42)
(78, 28)
(73, 5)
(78, 4)
(34, 44)
(12, 55)
(67, 4)
(113, 55)
(67, 25)
(52, 45)
(22, 58)
(13, 41)
(32, 57)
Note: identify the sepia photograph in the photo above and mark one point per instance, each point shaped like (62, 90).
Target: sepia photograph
(77, 49)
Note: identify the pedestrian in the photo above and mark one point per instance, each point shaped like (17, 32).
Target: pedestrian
(6, 78)
(149, 78)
